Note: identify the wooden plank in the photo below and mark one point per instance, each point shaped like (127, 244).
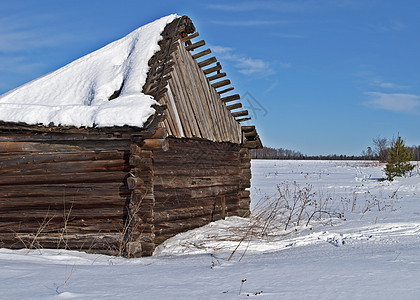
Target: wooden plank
(207, 62)
(247, 128)
(206, 116)
(217, 76)
(195, 45)
(64, 167)
(60, 177)
(231, 98)
(226, 90)
(188, 109)
(234, 106)
(220, 83)
(201, 54)
(174, 115)
(183, 110)
(243, 119)
(240, 113)
(218, 67)
(201, 113)
(189, 37)
(250, 134)
(251, 144)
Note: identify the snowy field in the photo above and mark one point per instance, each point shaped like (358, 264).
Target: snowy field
(365, 246)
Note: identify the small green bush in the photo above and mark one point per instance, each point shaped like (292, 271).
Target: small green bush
(398, 161)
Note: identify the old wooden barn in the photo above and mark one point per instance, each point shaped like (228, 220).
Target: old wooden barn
(122, 189)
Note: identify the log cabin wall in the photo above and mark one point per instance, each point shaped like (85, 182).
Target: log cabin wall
(195, 182)
(245, 183)
(63, 190)
(139, 228)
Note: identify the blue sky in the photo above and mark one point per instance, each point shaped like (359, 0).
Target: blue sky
(320, 77)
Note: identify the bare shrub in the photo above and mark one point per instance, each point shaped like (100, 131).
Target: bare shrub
(292, 206)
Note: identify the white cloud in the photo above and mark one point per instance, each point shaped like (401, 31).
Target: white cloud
(271, 87)
(250, 66)
(374, 80)
(400, 103)
(244, 65)
(387, 85)
(220, 49)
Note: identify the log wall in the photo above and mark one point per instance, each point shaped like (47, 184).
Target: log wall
(195, 182)
(63, 191)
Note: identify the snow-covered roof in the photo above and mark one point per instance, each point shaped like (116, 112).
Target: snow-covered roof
(78, 93)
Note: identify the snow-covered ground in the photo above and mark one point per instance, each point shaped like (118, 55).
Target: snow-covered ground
(371, 252)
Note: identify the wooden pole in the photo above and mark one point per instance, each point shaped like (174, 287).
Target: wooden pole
(187, 38)
(202, 53)
(231, 98)
(217, 76)
(234, 106)
(207, 62)
(218, 67)
(240, 113)
(225, 91)
(221, 83)
(195, 45)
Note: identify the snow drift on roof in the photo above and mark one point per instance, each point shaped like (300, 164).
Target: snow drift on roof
(77, 94)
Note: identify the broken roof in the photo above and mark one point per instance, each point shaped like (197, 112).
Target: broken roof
(79, 93)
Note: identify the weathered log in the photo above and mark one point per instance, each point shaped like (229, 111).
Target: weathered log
(33, 169)
(60, 178)
(231, 98)
(64, 190)
(136, 160)
(240, 113)
(160, 133)
(194, 182)
(189, 37)
(40, 214)
(234, 106)
(225, 90)
(183, 213)
(217, 170)
(243, 119)
(179, 197)
(195, 45)
(15, 159)
(134, 182)
(202, 53)
(155, 144)
(220, 83)
(217, 76)
(218, 67)
(251, 144)
(244, 194)
(247, 128)
(250, 134)
(207, 62)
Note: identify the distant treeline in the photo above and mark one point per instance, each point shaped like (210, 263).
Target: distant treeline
(280, 153)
